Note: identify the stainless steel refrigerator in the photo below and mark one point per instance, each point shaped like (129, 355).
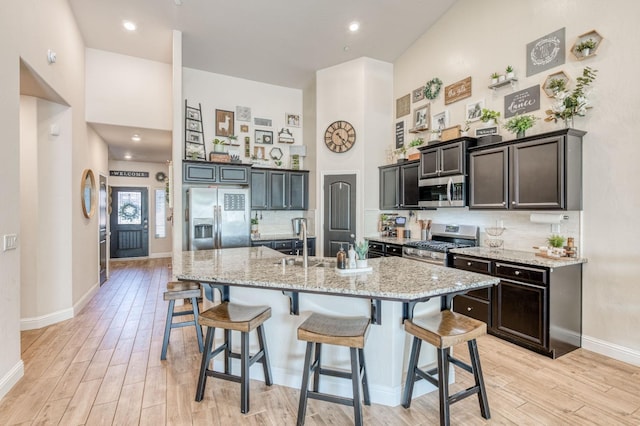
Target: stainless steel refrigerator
(218, 217)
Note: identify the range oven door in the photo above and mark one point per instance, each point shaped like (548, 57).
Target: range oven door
(449, 191)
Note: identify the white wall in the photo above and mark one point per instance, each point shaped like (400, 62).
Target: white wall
(158, 247)
(128, 91)
(50, 25)
(360, 92)
(477, 38)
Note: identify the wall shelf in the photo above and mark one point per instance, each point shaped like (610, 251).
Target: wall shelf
(593, 35)
(511, 81)
(560, 75)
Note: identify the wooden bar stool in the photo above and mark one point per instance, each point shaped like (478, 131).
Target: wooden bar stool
(175, 291)
(444, 330)
(229, 316)
(350, 332)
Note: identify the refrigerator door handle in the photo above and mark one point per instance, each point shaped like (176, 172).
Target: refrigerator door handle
(219, 222)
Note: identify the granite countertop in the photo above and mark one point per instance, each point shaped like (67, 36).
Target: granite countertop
(392, 240)
(391, 278)
(525, 257)
(270, 237)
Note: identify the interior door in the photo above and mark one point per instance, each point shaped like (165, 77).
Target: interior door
(129, 222)
(339, 212)
(102, 233)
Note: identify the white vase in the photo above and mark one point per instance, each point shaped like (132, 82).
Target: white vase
(501, 78)
(510, 75)
(490, 122)
(361, 263)
(494, 81)
(586, 52)
(218, 148)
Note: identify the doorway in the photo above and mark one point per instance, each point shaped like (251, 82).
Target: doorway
(129, 222)
(339, 212)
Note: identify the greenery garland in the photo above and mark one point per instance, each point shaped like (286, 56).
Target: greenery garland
(432, 88)
(129, 211)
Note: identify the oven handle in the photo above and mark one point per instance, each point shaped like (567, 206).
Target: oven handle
(449, 187)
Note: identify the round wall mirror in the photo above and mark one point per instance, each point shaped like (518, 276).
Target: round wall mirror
(88, 193)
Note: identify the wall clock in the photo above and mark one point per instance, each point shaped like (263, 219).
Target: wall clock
(340, 136)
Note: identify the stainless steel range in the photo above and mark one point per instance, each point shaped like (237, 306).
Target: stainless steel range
(443, 238)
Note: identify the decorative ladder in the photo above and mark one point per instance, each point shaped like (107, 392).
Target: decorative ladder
(194, 148)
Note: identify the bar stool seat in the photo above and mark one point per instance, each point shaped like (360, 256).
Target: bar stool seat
(233, 317)
(177, 290)
(443, 331)
(350, 332)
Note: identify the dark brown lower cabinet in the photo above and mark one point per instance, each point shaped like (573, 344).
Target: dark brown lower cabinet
(534, 307)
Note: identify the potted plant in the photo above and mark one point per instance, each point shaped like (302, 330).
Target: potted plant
(494, 78)
(489, 116)
(586, 46)
(556, 241)
(361, 248)
(519, 124)
(218, 145)
(254, 225)
(465, 128)
(233, 140)
(557, 85)
(510, 73)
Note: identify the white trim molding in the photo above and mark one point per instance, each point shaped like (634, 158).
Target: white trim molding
(11, 378)
(611, 350)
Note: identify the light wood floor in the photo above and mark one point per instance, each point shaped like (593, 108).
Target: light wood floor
(103, 367)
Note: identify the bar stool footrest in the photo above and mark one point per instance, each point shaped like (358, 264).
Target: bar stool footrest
(334, 373)
(330, 398)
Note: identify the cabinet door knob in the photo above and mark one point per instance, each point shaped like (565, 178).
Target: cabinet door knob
(513, 203)
(517, 272)
(468, 263)
(504, 203)
(469, 308)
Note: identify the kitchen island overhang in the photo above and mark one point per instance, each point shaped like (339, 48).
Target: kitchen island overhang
(253, 273)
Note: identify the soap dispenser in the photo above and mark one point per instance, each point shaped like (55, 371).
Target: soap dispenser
(341, 259)
(352, 257)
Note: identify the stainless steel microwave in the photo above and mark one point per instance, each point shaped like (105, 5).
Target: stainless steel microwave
(447, 191)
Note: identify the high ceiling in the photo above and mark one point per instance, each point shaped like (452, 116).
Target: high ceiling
(281, 42)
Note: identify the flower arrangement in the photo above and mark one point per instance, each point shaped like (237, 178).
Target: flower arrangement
(520, 123)
(488, 114)
(569, 104)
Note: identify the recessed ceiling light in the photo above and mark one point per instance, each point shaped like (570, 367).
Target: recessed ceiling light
(127, 156)
(354, 26)
(136, 138)
(129, 26)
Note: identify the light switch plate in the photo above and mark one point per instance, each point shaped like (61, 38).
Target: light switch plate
(10, 242)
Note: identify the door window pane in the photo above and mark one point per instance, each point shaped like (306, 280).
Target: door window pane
(129, 208)
(161, 217)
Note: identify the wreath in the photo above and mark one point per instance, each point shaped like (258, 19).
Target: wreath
(129, 211)
(432, 88)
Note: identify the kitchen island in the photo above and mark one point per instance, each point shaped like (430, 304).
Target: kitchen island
(388, 293)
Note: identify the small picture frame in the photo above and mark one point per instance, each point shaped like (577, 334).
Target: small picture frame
(193, 137)
(193, 114)
(224, 123)
(417, 94)
(243, 113)
(421, 118)
(258, 152)
(244, 128)
(292, 120)
(194, 126)
(440, 121)
(474, 110)
(264, 137)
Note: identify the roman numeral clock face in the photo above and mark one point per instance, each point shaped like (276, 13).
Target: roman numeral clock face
(340, 136)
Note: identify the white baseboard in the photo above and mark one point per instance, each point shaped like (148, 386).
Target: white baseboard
(11, 378)
(611, 350)
(160, 255)
(58, 316)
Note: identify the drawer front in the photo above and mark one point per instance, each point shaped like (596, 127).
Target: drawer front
(376, 247)
(472, 264)
(482, 293)
(262, 244)
(280, 245)
(521, 273)
(471, 307)
(394, 250)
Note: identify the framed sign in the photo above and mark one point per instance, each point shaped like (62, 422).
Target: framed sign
(243, 113)
(264, 136)
(523, 101)
(546, 52)
(418, 94)
(421, 118)
(440, 121)
(458, 90)
(474, 110)
(486, 131)
(403, 106)
(399, 134)
(224, 123)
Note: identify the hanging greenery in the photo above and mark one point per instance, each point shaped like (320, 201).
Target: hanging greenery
(432, 88)
(129, 211)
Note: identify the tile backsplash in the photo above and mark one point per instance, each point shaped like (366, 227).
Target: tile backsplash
(279, 221)
(519, 234)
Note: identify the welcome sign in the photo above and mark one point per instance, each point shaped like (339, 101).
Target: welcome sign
(521, 102)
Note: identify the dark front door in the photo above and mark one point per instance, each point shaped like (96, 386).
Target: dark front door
(102, 235)
(339, 212)
(129, 222)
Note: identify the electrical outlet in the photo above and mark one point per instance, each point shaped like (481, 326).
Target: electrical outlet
(10, 242)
